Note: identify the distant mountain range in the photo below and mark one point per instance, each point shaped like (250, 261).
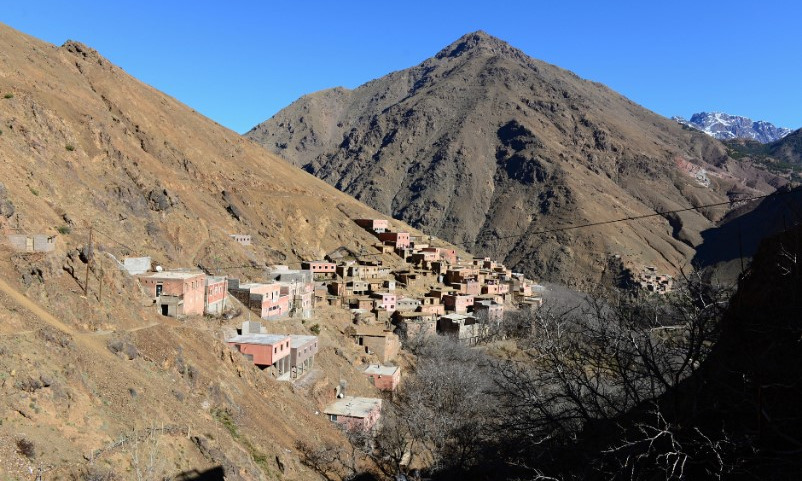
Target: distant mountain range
(727, 127)
(489, 148)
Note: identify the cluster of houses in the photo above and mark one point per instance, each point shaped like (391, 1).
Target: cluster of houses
(650, 281)
(459, 298)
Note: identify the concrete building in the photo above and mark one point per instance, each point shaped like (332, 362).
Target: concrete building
(464, 328)
(264, 350)
(176, 293)
(399, 240)
(136, 265)
(488, 311)
(384, 378)
(355, 413)
(432, 305)
(320, 268)
(377, 226)
(406, 304)
(384, 301)
(457, 302)
(264, 299)
(378, 340)
(414, 325)
(216, 292)
(32, 243)
(242, 239)
(302, 354)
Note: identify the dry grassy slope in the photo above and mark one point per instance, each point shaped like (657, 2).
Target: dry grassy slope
(485, 146)
(82, 142)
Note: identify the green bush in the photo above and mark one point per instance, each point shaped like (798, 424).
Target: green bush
(69, 147)
(64, 229)
(315, 329)
(8, 96)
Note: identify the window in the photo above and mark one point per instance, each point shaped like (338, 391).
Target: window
(275, 350)
(332, 417)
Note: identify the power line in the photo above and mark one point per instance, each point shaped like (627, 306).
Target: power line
(636, 217)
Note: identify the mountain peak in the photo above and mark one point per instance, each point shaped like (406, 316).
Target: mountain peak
(724, 126)
(478, 41)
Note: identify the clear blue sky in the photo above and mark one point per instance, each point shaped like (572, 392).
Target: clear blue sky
(239, 62)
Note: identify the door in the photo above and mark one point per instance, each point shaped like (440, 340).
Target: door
(165, 310)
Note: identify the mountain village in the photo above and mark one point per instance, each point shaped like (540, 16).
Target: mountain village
(438, 293)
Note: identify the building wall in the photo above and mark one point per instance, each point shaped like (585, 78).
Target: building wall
(386, 347)
(265, 354)
(384, 382)
(192, 290)
(216, 296)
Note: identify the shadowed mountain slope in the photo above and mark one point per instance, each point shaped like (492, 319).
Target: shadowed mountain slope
(487, 147)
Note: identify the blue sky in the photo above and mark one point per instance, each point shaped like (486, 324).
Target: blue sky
(239, 62)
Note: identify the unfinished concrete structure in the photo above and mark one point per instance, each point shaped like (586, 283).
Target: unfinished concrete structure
(242, 239)
(302, 354)
(216, 292)
(32, 243)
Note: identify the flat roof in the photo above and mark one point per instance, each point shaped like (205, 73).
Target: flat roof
(263, 339)
(355, 407)
(381, 370)
(455, 317)
(172, 275)
(298, 340)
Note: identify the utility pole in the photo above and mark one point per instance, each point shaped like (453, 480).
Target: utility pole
(88, 260)
(100, 283)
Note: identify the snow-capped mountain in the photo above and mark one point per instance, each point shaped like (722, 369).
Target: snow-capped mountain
(725, 126)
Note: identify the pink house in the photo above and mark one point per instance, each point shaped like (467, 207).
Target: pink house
(355, 413)
(374, 225)
(495, 287)
(457, 302)
(264, 350)
(400, 240)
(176, 293)
(385, 301)
(385, 378)
(488, 311)
(320, 267)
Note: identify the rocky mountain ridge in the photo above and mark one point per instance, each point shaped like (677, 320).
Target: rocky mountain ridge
(494, 150)
(724, 126)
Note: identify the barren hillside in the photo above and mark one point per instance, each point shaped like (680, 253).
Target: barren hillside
(83, 147)
(487, 147)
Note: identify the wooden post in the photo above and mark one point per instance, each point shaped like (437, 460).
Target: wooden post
(100, 283)
(88, 260)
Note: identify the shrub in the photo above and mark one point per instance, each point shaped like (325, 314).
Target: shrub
(26, 448)
(8, 96)
(315, 329)
(69, 147)
(64, 229)
(34, 191)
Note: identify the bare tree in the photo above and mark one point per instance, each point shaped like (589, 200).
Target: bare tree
(591, 365)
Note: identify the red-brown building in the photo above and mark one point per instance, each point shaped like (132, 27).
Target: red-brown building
(457, 303)
(176, 293)
(384, 378)
(264, 350)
